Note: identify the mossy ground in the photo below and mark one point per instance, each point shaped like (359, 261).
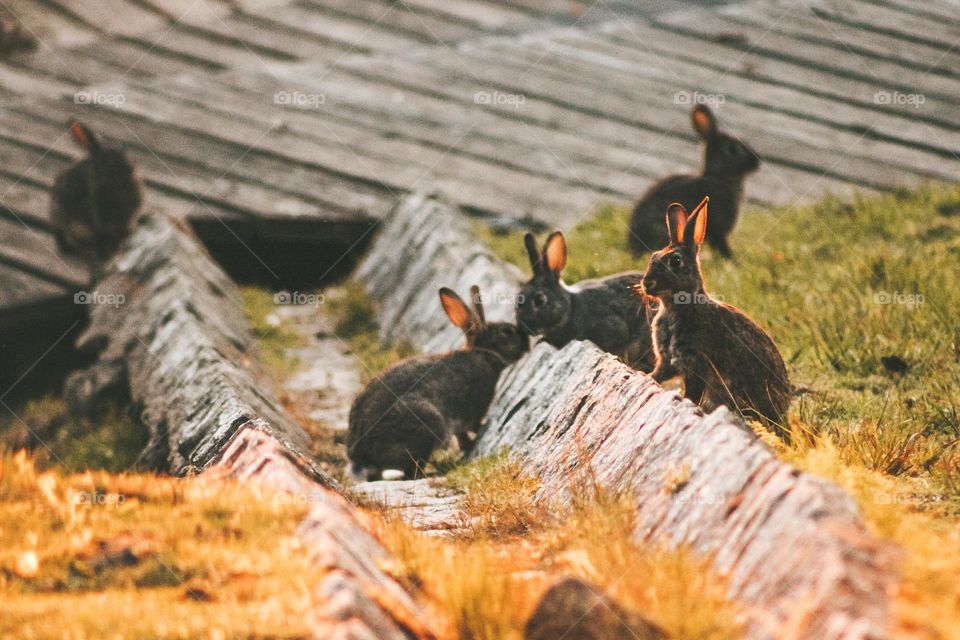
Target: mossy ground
(356, 322)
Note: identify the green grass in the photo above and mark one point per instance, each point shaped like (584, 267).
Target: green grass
(841, 287)
(356, 323)
(273, 340)
(112, 442)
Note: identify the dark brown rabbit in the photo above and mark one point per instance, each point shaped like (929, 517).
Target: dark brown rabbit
(723, 357)
(402, 415)
(603, 311)
(727, 162)
(95, 201)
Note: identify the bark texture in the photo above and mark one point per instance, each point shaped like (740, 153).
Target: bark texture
(177, 336)
(794, 547)
(425, 244)
(171, 319)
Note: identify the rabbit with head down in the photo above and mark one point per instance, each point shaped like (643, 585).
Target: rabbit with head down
(423, 402)
(727, 162)
(722, 356)
(95, 200)
(604, 311)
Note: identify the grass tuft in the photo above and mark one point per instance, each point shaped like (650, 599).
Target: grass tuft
(487, 581)
(498, 496)
(273, 340)
(113, 442)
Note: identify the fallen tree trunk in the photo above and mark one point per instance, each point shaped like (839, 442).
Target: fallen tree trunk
(172, 320)
(426, 244)
(359, 600)
(794, 547)
(175, 337)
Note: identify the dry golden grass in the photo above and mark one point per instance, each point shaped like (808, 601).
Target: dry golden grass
(138, 556)
(498, 497)
(488, 579)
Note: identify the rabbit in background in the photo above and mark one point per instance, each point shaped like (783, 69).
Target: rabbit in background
(722, 356)
(605, 311)
(95, 200)
(727, 162)
(402, 415)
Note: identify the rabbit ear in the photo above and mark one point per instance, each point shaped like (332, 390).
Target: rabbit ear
(695, 229)
(676, 220)
(704, 123)
(83, 136)
(533, 252)
(555, 252)
(456, 309)
(478, 304)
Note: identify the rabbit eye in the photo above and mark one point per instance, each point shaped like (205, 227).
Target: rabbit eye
(508, 331)
(539, 300)
(675, 261)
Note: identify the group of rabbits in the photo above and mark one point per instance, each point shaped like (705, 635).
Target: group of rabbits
(661, 322)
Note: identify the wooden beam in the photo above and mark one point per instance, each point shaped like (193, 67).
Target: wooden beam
(794, 547)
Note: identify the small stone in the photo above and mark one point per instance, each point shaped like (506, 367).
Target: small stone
(26, 564)
(574, 610)
(392, 474)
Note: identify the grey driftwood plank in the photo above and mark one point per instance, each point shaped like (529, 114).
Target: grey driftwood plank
(426, 504)
(794, 547)
(176, 334)
(178, 331)
(358, 599)
(179, 337)
(425, 244)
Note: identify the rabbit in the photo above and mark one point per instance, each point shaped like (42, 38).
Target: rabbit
(727, 162)
(403, 414)
(13, 37)
(95, 200)
(723, 357)
(604, 311)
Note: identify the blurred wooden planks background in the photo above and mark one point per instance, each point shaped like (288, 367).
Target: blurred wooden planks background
(284, 130)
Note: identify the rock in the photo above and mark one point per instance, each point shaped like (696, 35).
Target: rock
(574, 610)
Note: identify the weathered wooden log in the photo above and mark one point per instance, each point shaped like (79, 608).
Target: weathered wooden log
(358, 599)
(794, 547)
(177, 336)
(173, 321)
(426, 244)
(427, 504)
